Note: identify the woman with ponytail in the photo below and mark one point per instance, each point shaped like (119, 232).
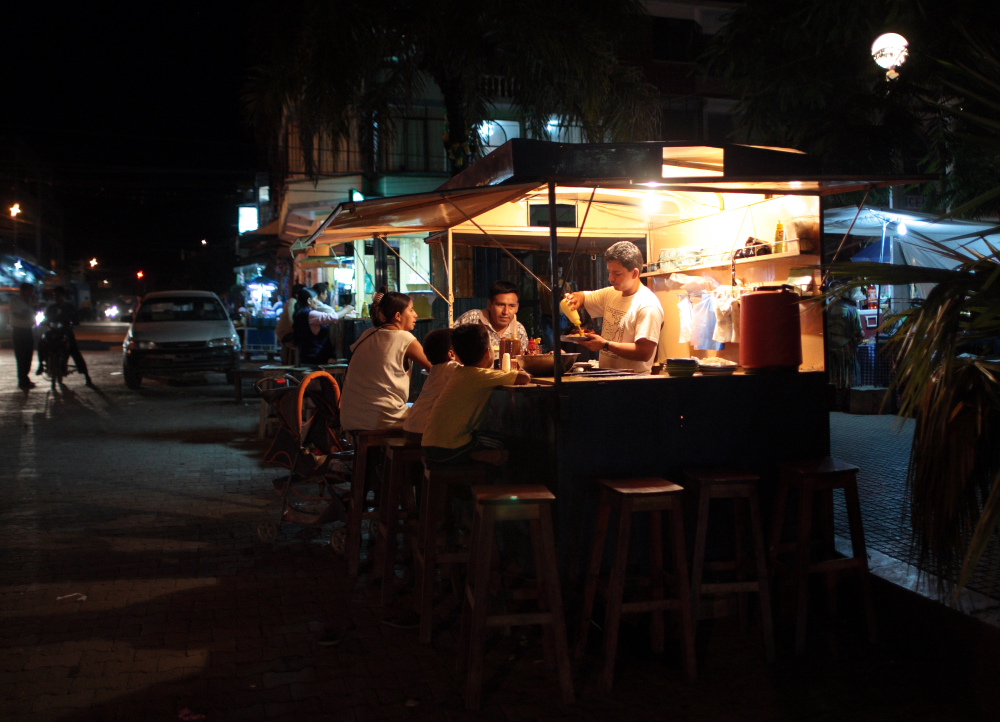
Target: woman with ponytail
(378, 378)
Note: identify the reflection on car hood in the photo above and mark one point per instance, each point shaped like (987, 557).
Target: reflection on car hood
(178, 331)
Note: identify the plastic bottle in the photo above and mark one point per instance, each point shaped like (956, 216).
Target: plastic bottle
(571, 313)
(505, 362)
(779, 238)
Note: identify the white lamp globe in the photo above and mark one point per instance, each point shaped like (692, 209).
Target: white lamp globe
(889, 50)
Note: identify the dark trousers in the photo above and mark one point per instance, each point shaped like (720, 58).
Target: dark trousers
(24, 344)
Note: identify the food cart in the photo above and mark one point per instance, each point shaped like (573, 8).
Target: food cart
(724, 218)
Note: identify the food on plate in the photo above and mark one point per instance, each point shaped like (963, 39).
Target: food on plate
(716, 361)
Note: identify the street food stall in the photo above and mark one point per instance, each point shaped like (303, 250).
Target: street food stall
(720, 224)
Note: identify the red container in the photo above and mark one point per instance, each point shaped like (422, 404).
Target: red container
(770, 332)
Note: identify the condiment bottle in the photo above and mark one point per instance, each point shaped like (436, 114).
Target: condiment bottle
(571, 313)
(505, 362)
(779, 238)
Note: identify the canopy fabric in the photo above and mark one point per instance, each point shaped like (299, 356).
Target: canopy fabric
(967, 237)
(916, 247)
(417, 213)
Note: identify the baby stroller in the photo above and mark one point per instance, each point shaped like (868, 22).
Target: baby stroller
(309, 446)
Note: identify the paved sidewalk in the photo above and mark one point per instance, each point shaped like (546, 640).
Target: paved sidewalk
(133, 587)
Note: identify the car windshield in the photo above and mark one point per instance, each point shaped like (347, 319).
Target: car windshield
(181, 309)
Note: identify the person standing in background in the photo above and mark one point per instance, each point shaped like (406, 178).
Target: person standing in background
(22, 330)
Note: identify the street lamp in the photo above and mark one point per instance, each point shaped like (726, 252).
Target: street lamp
(93, 262)
(15, 210)
(889, 51)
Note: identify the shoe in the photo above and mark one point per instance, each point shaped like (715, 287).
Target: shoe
(90, 383)
(38, 371)
(26, 386)
(332, 637)
(409, 620)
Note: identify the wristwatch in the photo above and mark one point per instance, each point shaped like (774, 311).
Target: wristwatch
(607, 346)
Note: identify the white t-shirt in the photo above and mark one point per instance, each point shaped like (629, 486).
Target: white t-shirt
(378, 381)
(437, 377)
(626, 320)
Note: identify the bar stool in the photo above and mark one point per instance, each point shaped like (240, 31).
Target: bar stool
(438, 478)
(495, 505)
(398, 496)
(630, 496)
(808, 478)
(364, 441)
(741, 488)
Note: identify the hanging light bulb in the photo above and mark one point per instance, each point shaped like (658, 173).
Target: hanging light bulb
(889, 51)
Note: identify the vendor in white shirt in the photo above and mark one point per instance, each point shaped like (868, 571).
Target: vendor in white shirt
(633, 315)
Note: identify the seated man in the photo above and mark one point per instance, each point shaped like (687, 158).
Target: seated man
(499, 317)
(451, 435)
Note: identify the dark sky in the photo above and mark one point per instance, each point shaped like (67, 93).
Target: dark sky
(137, 112)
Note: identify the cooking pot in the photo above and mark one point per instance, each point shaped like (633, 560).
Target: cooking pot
(544, 365)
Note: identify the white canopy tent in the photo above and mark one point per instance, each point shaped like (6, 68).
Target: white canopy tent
(909, 238)
(912, 247)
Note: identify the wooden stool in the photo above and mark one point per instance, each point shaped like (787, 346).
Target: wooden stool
(363, 442)
(398, 491)
(630, 496)
(741, 488)
(809, 477)
(426, 556)
(496, 504)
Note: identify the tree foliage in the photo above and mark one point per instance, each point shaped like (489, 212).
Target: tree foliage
(337, 69)
(804, 76)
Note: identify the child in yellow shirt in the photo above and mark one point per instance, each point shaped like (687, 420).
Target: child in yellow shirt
(451, 435)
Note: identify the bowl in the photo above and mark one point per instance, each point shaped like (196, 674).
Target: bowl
(544, 365)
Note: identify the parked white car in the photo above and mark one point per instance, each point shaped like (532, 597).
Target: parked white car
(178, 332)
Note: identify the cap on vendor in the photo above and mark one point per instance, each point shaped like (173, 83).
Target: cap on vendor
(633, 315)
(499, 317)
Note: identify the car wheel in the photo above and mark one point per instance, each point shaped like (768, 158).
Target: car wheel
(132, 379)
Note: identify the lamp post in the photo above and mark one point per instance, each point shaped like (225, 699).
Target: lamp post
(889, 51)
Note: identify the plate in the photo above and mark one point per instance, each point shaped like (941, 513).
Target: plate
(574, 339)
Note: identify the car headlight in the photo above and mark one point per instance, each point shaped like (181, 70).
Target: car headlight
(132, 344)
(226, 342)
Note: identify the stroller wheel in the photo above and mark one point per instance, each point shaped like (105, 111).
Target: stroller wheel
(338, 539)
(267, 531)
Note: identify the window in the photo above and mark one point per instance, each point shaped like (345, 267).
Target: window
(538, 215)
(494, 133)
(181, 309)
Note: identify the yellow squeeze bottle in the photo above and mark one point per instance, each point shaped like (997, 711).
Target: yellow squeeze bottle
(571, 313)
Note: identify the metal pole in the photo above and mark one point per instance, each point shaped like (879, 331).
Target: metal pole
(553, 258)
(449, 271)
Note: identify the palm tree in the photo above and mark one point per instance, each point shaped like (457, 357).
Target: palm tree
(345, 71)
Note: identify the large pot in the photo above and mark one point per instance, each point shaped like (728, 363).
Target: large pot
(770, 332)
(544, 365)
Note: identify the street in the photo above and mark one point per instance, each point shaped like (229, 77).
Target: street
(133, 587)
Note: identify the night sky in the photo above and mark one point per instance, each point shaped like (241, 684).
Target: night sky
(138, 115)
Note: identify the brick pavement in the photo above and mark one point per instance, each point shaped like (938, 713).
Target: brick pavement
(133, 587)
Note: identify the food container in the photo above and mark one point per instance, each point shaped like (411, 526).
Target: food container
(770, 331)
(544, 365)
